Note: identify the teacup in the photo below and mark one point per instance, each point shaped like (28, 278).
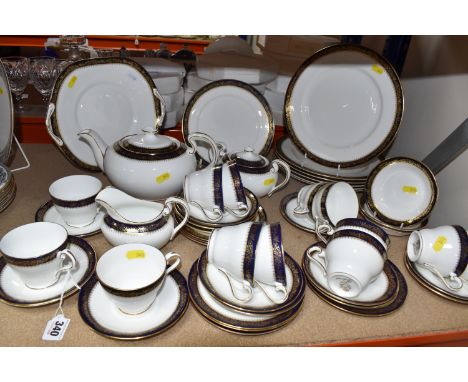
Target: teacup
(442, 250)
(133, 274)
(217, 189)
(364, 226)
(38, 253)
(349, 264)
(252, 254)
(305, 196)
(74, 198)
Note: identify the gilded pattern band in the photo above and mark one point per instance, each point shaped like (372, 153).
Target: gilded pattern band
(237, 181)
(278, 253)
(134, 228)
(45, 258)
(250, 250)
(361, 223)
(463, 261)
(166, 153)
(74, 203)
(135, 292)
(347, 233)
(218, 187)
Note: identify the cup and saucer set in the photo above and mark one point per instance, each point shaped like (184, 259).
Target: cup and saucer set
(351, 270)
(244, 282)
(438, 260)
(40, 262)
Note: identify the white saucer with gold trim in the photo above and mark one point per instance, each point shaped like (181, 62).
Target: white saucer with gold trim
(48, 213)
(13, 291)
(434, 280)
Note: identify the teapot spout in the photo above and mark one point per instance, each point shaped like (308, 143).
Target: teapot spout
(98, 146)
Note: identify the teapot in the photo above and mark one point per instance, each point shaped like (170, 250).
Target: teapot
(147, 165)
(132, 220)
(258, 174)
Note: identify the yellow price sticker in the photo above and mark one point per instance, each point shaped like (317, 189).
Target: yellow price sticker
(410, 189)
(163, 178)
(377, 68)
(439, 243)
(72, 81)
(268, 181)
(136, 254)
(1, 91)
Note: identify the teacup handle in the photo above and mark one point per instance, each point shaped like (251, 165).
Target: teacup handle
(245, 284)
(276, 164)
(63, 255)
(242, 207)
(168, 209)
(217, 211)
(319, 250)
(192, 140)
(169, 256)
(278, 287)
(322, 226)
(452, 277)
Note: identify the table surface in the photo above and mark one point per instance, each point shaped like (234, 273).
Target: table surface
(423, 313)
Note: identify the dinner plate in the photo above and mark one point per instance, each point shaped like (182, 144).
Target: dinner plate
(218, 286)
(48, 213)
(232, 113)
(401, 191)
(14, 292)
(101, 314)
(6, 117)
(111, 96)
(344, 105)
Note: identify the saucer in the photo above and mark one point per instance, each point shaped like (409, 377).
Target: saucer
(101, 315)
(378, 293)
(218, 287)
(428, 280)
(251, 325)
(288, 203)
(48, 213)
(14, 292)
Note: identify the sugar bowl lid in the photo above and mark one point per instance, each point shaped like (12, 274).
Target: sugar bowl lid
(250, 159)
(149, 145)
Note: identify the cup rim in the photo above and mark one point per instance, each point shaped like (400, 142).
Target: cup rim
(362, 236)
(74, 201)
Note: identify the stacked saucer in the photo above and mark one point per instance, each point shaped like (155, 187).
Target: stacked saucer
(211, 293)
(307, 171)
(7, 187)
(400, 195)
(199, 230)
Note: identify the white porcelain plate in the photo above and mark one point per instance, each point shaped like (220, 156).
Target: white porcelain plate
(401, 190)
(6, 117)
(344, 105)
(14, 292)
(232, 113)
(112, 96)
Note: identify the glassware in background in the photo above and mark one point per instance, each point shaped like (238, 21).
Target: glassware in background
(17, 70)
(107, 52)
(73, 44)
(43, 73)
(163, 52)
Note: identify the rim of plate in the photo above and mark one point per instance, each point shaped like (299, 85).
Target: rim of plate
(12, 113)
(94, 62)
(398, 112)
(432, 182)
(235, 83)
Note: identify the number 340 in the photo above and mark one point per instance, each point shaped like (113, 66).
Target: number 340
(56, 329)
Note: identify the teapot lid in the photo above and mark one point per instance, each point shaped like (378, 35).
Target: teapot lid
(149, 145)
(249, 158)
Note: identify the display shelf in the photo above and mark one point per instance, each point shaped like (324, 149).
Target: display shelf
(109, 42)
(424, 318)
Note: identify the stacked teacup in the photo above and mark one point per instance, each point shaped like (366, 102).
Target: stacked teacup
(216, 198)
(438, 259)
(244, 282)
(351, 271)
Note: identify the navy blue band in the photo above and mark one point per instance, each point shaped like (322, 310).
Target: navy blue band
(250, 248)
(278, 253)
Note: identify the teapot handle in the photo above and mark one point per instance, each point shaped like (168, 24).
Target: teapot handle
(160, 119)
(276, 164)
(193, 137)
(168, 209)
(48, 123)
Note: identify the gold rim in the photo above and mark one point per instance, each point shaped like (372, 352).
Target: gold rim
(94, 62)
(431, 287)
(398, 112)
(432, 182)
(178, 313)
(88, 249)
(215, 84)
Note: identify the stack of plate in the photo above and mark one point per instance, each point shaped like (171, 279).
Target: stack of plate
(400, 195)
(343, 108)
(307, 171)
(275, 94)
(7, 187)
(211, 295)
(199, 231)
(381, 297)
